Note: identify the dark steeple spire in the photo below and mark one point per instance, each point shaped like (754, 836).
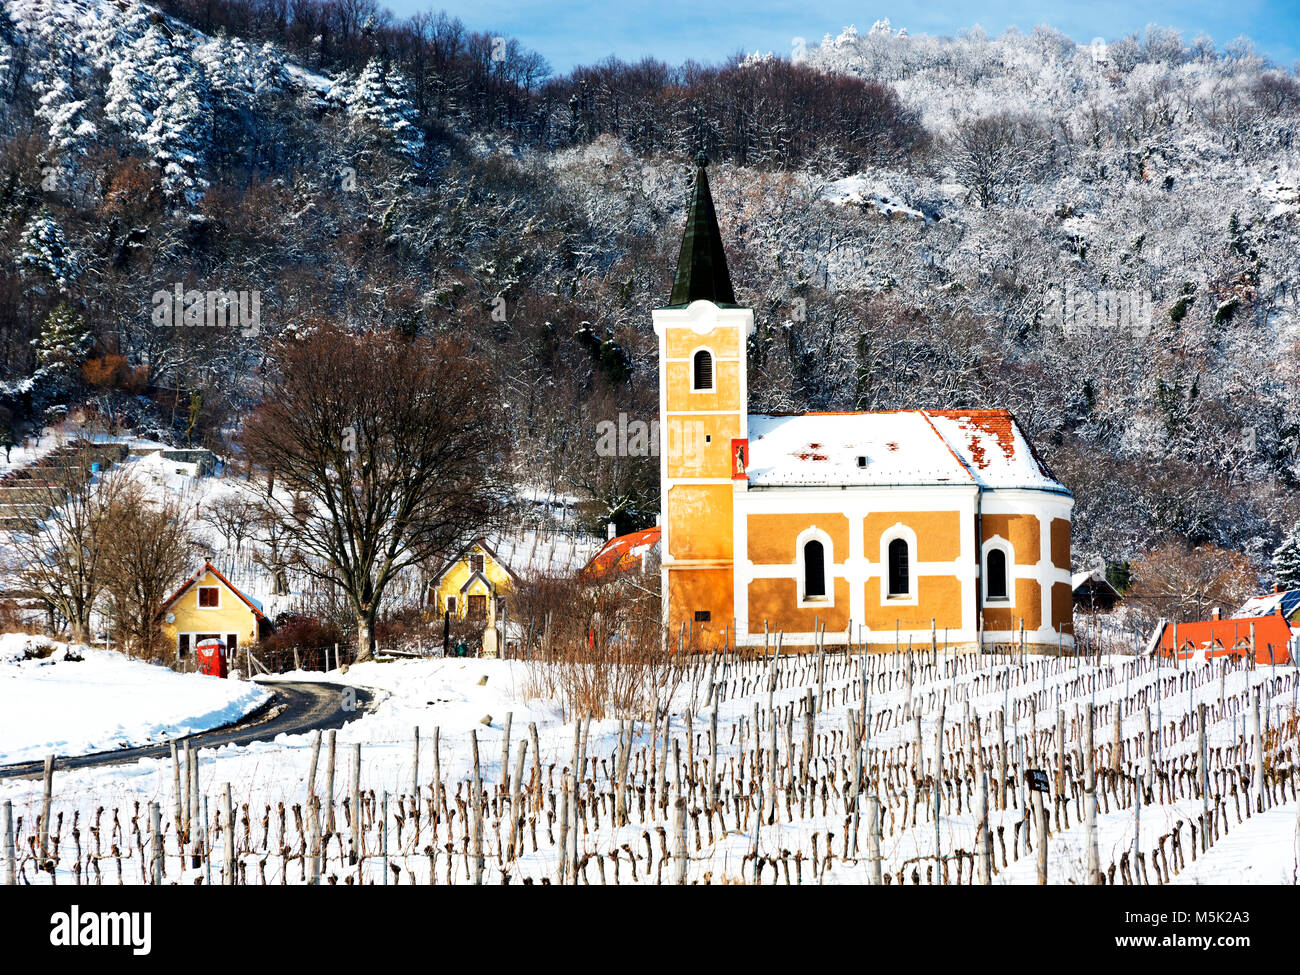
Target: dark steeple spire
(702, 265)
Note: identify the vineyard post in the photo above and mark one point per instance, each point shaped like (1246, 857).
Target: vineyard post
(10, 853)
(1090, 799)
(329, 786)
(1202, 757)
(1140, 786)
(155, 845)
(415, 764)
(356, 807)
(983, 837)
(228, 823)
(1259, 750)
(874, 876)
(1040, 820)
(46, 798)
(679, 839)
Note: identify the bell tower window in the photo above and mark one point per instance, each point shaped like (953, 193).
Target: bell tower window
(702, 371)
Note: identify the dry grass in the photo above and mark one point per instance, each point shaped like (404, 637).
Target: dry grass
(597, 648)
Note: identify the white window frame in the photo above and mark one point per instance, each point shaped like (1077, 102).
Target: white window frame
(198, 599)
(713, 369)
(896, 531)
(999, 544)
(814, 534)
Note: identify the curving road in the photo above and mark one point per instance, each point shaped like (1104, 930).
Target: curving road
(294, 708)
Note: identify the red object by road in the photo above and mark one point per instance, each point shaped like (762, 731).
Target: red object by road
(212, 658)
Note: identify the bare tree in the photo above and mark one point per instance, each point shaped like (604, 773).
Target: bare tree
(396, 443)
(56, 556)
(147, 553)
(233, 516)
(1182, 583)
(993, 151)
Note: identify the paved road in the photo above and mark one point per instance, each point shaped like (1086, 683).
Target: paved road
(293, 709)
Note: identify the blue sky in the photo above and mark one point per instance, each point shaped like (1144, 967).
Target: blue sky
(570, 32)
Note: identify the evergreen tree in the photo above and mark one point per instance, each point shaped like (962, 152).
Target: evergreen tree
(379, 100)
(1286, 561)
(159, 97)
(42, 249)
(63, 344)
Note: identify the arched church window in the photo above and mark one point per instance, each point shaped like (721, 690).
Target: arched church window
(996, 569)
(899, 585)
(702, 370)
(814, 570)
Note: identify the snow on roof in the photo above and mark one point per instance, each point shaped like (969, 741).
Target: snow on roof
(1267, 605)
(894, 447)
(626, 552)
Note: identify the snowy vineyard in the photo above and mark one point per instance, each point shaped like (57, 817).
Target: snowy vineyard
(905, 768)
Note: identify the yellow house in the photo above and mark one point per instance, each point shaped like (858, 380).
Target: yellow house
(209, 605)
(464, 585)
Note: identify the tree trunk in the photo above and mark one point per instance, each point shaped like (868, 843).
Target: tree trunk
(365, 636)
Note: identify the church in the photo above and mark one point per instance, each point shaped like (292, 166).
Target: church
(878, 527)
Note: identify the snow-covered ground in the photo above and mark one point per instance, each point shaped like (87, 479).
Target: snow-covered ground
(452, 698)
(53, 705)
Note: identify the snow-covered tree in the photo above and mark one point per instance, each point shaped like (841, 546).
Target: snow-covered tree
(1286, 561)
(379, 101)
(43, 251)
(159, 96)
(63, 345)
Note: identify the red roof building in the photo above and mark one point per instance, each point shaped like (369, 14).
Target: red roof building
(626, 553)
(1271, 636)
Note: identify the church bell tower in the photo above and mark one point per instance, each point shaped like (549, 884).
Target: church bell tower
(703, 413)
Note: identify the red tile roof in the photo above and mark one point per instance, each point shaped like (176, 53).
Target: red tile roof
(621, 554)
(1224, 638)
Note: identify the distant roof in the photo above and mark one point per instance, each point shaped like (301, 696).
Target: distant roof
(702, 262)
(895, 447)
(1096, 576)
(1267, 605)
(624, 553)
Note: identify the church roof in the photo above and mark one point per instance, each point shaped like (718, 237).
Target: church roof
(897, 447)
(702, 263)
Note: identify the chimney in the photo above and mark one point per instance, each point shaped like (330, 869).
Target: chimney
(611, 531)
(1276, 589)
(1215, 614)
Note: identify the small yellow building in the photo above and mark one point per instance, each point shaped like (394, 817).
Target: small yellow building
(209, 605)
(464, 586)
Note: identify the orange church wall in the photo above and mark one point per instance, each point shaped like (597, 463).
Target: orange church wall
(687, 453)
(772, 537)
(1029, 608)
(699, 521)
(938, 597)
(693, 590)
(725, 396)
(1022, 531)
(1062, 607)
(1061, 543)
(938, 534)
(682, 342)
(776, 601)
